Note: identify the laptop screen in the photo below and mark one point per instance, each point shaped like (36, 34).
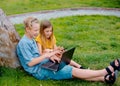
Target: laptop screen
(67, 55)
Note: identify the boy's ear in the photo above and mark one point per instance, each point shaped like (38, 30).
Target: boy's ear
(27, 28)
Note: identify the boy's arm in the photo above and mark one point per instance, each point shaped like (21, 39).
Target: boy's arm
(37, 60)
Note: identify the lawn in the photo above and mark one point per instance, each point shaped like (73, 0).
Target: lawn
(98, 42)
(23, 6)
(97, 38)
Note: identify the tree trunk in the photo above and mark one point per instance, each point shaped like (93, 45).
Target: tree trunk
(8, 41)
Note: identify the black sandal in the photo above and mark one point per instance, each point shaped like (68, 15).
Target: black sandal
(109, 71)
(114, 66)
(110, 79)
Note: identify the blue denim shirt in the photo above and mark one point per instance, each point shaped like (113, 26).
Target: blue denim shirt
(27, 50)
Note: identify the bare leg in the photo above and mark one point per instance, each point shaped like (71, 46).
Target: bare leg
(89, 74)
(73, 63)
(85, 74)
(102, 78)
(96, 79)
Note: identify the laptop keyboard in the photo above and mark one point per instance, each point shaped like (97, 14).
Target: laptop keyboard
(55, 66)
(48, 64)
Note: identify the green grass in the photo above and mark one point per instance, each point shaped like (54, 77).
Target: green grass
(19, 78)
(23, 6)
(97, 37)
(98, 42)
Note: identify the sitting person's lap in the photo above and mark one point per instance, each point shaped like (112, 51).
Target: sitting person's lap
(64, 72)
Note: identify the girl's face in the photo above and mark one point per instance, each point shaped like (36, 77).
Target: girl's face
(48, 32)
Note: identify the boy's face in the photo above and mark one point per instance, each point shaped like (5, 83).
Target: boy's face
(34, 31)
(48, 32)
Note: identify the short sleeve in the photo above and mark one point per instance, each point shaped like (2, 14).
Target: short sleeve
(38, 39)
(25, 53)
(54, 40)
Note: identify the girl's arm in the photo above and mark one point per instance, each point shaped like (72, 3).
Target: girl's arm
(55, 47)
(40, 48)
(43, 51)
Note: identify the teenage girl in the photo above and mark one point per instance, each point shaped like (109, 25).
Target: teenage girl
(46, 41)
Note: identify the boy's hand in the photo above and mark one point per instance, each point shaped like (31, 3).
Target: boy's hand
(55, 59)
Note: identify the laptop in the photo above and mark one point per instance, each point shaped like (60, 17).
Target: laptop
(66, 57)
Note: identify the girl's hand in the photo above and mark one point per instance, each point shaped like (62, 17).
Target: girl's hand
(59, 48)
(57, 53)
(48, 50)
(46, 55)
(50, 54)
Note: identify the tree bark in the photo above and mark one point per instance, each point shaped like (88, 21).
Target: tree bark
(8, 41)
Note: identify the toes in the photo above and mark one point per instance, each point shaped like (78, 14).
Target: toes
(116, 63)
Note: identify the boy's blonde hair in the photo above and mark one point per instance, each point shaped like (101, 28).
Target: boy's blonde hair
(28, 22)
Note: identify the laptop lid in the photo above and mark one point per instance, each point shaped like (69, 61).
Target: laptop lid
(67, 55)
